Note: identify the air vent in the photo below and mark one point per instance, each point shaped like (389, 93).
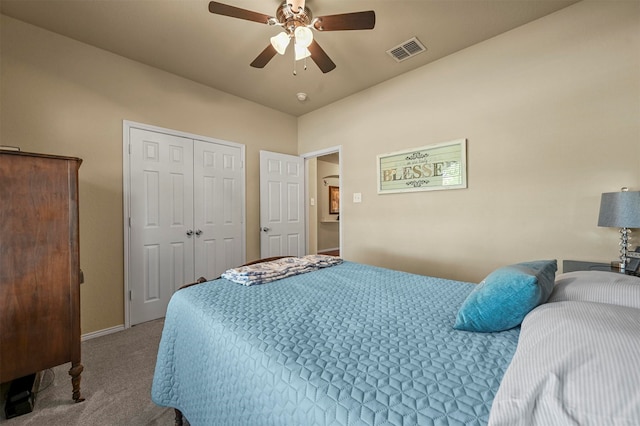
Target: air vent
(406, 50)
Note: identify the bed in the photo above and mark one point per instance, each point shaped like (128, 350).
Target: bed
(353, 344)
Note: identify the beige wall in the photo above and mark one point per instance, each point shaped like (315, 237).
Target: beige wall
(551, 114)
(62, 97)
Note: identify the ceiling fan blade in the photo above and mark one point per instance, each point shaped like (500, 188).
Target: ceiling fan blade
(322, 60)
(264, 57)
(346, 21)
(236, 12)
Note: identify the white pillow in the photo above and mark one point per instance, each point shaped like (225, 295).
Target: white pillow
(597, 286)
(576, 364)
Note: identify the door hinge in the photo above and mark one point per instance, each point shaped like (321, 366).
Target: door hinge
(129, 149)
(130, 295)
(129, 221)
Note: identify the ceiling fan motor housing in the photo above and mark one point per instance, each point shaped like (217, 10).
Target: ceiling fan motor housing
(290, 20)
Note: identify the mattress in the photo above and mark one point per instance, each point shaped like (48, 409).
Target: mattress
(346, 345)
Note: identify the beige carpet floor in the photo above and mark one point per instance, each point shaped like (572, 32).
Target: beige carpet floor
(116, 385)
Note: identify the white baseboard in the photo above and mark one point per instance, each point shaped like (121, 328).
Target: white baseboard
(103, 332)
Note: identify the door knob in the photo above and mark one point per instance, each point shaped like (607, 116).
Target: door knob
(264, 229)
(189, 232)
(199, 232)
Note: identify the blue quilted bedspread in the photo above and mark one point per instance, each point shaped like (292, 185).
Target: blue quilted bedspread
(347, 345)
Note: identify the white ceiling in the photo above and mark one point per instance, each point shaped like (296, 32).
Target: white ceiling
(182, 37)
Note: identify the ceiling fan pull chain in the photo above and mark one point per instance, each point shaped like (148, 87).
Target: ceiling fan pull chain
(294, 64)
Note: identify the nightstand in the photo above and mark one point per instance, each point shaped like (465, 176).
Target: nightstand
(578, 265)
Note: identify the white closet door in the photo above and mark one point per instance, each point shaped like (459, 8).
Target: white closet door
(161, 205)
(218, 195)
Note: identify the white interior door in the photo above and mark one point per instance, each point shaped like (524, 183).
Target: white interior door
(161, 206)
(218, 215)
(282, 216)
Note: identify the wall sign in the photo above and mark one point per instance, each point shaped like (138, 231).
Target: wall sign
(428, 168)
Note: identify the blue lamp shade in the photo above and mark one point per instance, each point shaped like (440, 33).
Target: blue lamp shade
(620, 209)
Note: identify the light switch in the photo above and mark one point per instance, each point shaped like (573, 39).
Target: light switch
(357, 197)
(312, 201)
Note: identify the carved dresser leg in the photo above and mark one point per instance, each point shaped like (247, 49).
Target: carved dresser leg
(76, 370)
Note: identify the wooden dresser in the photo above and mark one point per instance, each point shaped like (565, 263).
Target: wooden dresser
(39, 265)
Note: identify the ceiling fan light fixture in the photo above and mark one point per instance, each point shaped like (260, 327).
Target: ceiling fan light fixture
(297, 22)
(301, 52)
(280, 42)
(303, 35)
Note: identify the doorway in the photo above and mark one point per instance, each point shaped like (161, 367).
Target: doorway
(324, 196)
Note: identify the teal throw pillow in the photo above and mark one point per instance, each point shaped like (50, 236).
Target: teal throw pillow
(506, 296)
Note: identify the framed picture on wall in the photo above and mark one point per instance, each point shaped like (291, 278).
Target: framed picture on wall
(334, 200)
(428, 168)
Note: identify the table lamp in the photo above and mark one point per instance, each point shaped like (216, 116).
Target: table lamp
(621, 210)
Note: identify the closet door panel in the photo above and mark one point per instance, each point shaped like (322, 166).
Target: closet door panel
(218, 195)
(161, 234)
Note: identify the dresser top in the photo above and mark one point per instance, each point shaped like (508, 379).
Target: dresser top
(35, 154)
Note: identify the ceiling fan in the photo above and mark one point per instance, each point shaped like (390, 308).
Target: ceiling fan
(297, 22)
